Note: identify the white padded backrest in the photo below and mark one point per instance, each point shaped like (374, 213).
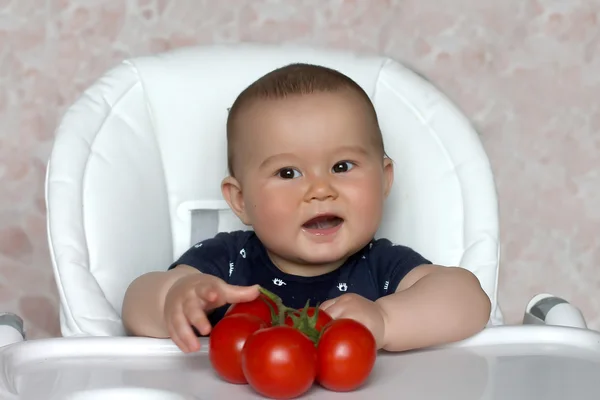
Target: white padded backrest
(145, 146)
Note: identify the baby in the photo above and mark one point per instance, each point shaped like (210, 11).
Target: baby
(309, 173)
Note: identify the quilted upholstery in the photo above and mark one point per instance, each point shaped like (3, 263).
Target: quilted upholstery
(145, 145)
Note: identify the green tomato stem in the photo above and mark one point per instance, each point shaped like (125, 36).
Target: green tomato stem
(269, 294)
(300, 319)
(282, 310)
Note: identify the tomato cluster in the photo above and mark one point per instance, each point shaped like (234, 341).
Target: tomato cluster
(281, 352)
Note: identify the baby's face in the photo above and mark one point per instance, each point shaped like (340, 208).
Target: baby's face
(313, 178)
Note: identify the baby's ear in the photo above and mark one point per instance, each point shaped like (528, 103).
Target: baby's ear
(388, 175)
(232, 193)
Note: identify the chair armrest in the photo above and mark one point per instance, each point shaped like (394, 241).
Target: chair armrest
(11, 329)
(547, 309)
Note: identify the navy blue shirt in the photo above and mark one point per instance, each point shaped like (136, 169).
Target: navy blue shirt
(239, 258)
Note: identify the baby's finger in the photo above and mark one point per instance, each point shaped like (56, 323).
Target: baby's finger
(177, 340)
(335, 309)
(184, 329)
(188, 338)
(197, 318)
(210, 296)
(208, 293)
(239, 294)
(180, 332)
(195, 313)
(326, 304)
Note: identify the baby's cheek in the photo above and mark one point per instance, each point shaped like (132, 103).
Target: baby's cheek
(369, 211)
(272, 212)
(368, 197)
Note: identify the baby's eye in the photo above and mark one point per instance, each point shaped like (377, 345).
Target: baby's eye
(288, 173)
(342, 166)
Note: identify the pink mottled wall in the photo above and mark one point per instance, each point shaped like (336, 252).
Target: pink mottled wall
(526, 72)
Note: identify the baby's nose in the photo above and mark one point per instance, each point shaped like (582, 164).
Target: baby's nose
(321, 189)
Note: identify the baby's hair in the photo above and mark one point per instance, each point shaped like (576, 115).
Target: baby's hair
(294, 80)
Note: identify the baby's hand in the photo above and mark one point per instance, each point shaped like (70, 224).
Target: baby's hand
(356, 307)
(189, 300)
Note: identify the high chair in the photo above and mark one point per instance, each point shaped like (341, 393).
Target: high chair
(134, 180)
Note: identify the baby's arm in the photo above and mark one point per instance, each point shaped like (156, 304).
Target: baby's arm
(168, 304)
(434, 305)
(144, 302)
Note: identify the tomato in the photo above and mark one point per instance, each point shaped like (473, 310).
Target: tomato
(279, 362)
(226, 342)
(258, 307)
(346, 354)
(322, 318)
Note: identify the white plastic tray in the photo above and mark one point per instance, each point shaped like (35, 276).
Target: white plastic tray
(502, 363)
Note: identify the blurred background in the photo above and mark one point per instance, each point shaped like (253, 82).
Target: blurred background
(526, 72)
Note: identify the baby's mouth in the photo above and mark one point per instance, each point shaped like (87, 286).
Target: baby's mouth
(323, 222)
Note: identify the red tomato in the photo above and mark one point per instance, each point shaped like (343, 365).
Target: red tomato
(279, 362)
(258, 307)
(346, 355)
(226, 342)
(322, 319)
